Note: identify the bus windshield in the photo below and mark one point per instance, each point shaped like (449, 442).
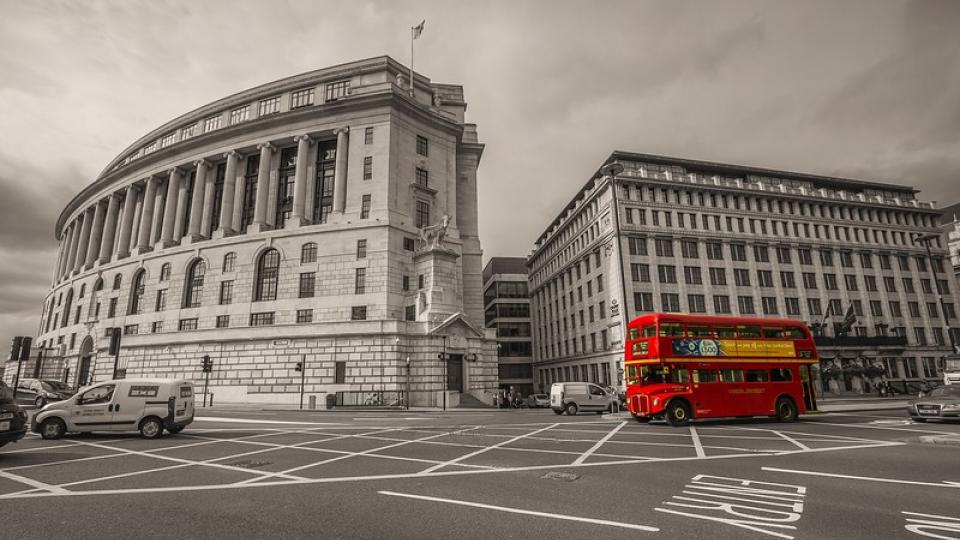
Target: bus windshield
(660, 374)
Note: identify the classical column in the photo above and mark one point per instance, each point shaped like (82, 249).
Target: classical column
(146, 215)
(170, 207)
(240, 186)
(126, 226)
(340, 171)
(84, 239)
(67, 242)
(229, 187)
(209, 186)
(196, 205)
(96, 235)
(110, 228)
(137, 214)
(300, 182)
(72, 253)
(157, 224)
(182, 205)
(263, 187)
(56, 268)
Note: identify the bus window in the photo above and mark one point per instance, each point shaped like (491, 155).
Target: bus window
(680, 375)
(633, 333)
(731, 375)
(671, 330)
(704, 376)
(648, 331)
(748, 331)
(725, 332)
(632, 376)
(794, 333)
(699, 331)
(758, 375)
(781, 375)
(772, 332)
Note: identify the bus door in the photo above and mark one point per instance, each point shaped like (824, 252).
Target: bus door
(737, 400)
(709, 394)
(809, 395)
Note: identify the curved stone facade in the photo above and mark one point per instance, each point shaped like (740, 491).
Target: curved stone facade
(282, 224)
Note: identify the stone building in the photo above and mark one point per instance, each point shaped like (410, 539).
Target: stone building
(701, 237)
(329, 217)
(507, 311)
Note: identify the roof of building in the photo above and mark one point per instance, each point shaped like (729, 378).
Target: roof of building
(505, 265)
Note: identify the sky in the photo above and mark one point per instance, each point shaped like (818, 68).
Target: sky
(860, 89)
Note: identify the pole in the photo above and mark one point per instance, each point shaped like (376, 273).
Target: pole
(16, 379)
(303, 377)
(412, 30)
(444, 385)
(943, 308)
(206, 388)
(406, 401)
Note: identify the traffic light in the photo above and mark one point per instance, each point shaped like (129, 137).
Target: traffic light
(15, 348)
(299, 366)
(207, 364)
(25, 344)
(114, 341)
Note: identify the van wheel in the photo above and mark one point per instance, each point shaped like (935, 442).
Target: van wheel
(558, 411)
(53, 428)
(176, 429)
(572, 409)
(151, 427)
(678, 413)
(786, 410)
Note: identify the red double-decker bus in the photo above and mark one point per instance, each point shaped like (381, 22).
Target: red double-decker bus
(680, 367)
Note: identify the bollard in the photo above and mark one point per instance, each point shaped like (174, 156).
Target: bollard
(211, 400)
(313, 402)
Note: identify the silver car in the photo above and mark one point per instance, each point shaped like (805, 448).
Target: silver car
(941, 403)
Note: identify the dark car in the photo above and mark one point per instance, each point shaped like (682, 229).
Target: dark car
(39, 392)
(13, 419)
(941, 403)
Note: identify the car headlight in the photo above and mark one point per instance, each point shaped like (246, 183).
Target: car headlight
(952, 407)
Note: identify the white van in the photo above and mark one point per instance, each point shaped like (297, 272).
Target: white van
(572, 397)
(145, 405)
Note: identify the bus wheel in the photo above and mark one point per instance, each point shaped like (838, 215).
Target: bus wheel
(786, 410)
(678, 413)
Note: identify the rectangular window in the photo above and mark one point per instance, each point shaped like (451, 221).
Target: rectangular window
(368, 135)
(188, 132)
(187, 324)
(691, 275)
(670, 302)
(167, 140)
(261, 319)
(423, 146)
(714, 251)
(783, 255)
(769, 305)
(226, 292)
(639, 272)
(365, 207)
(806, 256)
(360, 281)
(405, 282)
(741, 277)
(223, 321)
(409, 244)
(308, 281)
(269, 106)
(367, 167)
(362, 248)
(895, 309)
(156, 327)
(422, 217)
(718, 276)
(689, 249)
(793, 305)
(666, 274)
(850, 281)
(304, 315)
(410, 313)
(765, 278)
(131, 329)
(637, 245)
(745, 304)
(643, 302)
(664, 247)
(241, 114)
(738, 252)
(813, 305)
(830, 282)
(761, 254)
(301, 98)
(211, 124)
(112, 309)
(696, 303)
(422, 177)
(358, 313)
(721, 304)
(340, 372)
(786, 280)
(337, 90)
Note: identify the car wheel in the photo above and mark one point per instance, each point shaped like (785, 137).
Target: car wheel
(558, 411)
(52, 428)
(40, 402)
(151, 428)
(678, 413)
(918, 419)
(176, 429)
(786, 410)
(572, 409)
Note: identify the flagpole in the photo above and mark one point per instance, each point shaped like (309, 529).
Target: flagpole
(412, 30)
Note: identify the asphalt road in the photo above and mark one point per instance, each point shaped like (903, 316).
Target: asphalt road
(489, 475)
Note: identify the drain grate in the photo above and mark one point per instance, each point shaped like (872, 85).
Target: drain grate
(562, 476)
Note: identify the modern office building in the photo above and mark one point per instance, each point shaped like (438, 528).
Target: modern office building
(506, 303)
(328, 218)
(700, 237)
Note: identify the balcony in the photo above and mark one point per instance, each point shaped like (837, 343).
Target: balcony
(861, 341)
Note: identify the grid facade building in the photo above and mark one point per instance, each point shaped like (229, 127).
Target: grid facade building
(507, 311)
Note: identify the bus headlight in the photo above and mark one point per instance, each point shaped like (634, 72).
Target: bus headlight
(656, 402)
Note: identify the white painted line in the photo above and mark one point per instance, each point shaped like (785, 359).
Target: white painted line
(792, 440)
(33, 483)
(487, 449)
(597, 446)
(696, 442)
(525, 512)
(865, 478)
(391, 418)
(929, 515)
(866, 426)
(225, 419)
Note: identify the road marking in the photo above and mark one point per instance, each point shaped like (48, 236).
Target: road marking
(524, 512)
(597, 446)
(792, 440)
(865, 478)
(867, 426)
(928, 524)
(487, 449)
(33, 483)
(225, 419)
(696, 442)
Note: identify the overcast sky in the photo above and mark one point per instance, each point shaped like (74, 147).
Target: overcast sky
(863, 89)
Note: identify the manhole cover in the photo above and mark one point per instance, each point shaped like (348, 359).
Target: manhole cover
(249, 464)
(562, 476)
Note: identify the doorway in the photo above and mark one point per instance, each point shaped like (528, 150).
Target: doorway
(455, 372)
(86, 362)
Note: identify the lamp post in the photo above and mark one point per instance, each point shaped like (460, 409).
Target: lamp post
(925, 240)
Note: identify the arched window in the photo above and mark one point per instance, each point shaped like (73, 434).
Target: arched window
(117, 280)
(194, 284)
(165, 272)
(83, 290)
(136, 293)
(308, 254)
(268, 272)
(229, 262)
(66, 309)
(98, 285)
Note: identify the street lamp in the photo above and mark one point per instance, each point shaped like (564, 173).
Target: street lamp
(611, 170)
(925, 240)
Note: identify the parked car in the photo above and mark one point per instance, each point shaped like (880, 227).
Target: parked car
(13, 419)
(573, 397)
(941, 403)
(145, 405)
(538, 400)
(39, 392)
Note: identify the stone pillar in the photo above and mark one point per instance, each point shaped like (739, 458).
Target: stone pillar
(196, 205)
(110, 228)
(209, 186)
(96, 236)
(297, 217)
(158, 206)
(56, 268)
(182, 205)
(170, 207)
(340, 171)
(263, 187)
(229, 188)
(126, 226)
(67, 243)
(84, 240)
(72, 253)
(239, 189)
(137, 214)
(146, 215)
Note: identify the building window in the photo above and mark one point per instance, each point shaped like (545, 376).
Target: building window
(362, 248)
(421, 281)
(187, 132)
(663, 247)
(324, 181)
(219, 180)
(340, 372)
(360, 281)
(229, 262)
(714, 251)
(156, 327)
(223, 321)
(738, 252)
(761, 253)
(337, 90)
(194, 284)
(269, 106)
(368, 135)
(261, 319)
(241, 114)
(422, 217)
(226, 292)
(165, 272)
(117, 281)
(640, 272)
(167, 140)
(423, 146)
(410, 313)
(365, 207)
(301, 98)
(745, 304)
(697, 303)
(211, 124)
(721, 304)
(187, 324)
(304, 315)
(405, 282)
(250, 192)
(637, 245)
(793, 306)
(367, 167)
(666, 274)
(422, 177)
(136, 293)
(285, 185)
(308, 253)
(131, 329)
(161, 300)
(670, 302)
(268, 275)
(409, 244)
(358, 313)
(308, 282)
(688, 248)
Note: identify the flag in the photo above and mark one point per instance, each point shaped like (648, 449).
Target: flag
(849, 319)
(418, 29)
